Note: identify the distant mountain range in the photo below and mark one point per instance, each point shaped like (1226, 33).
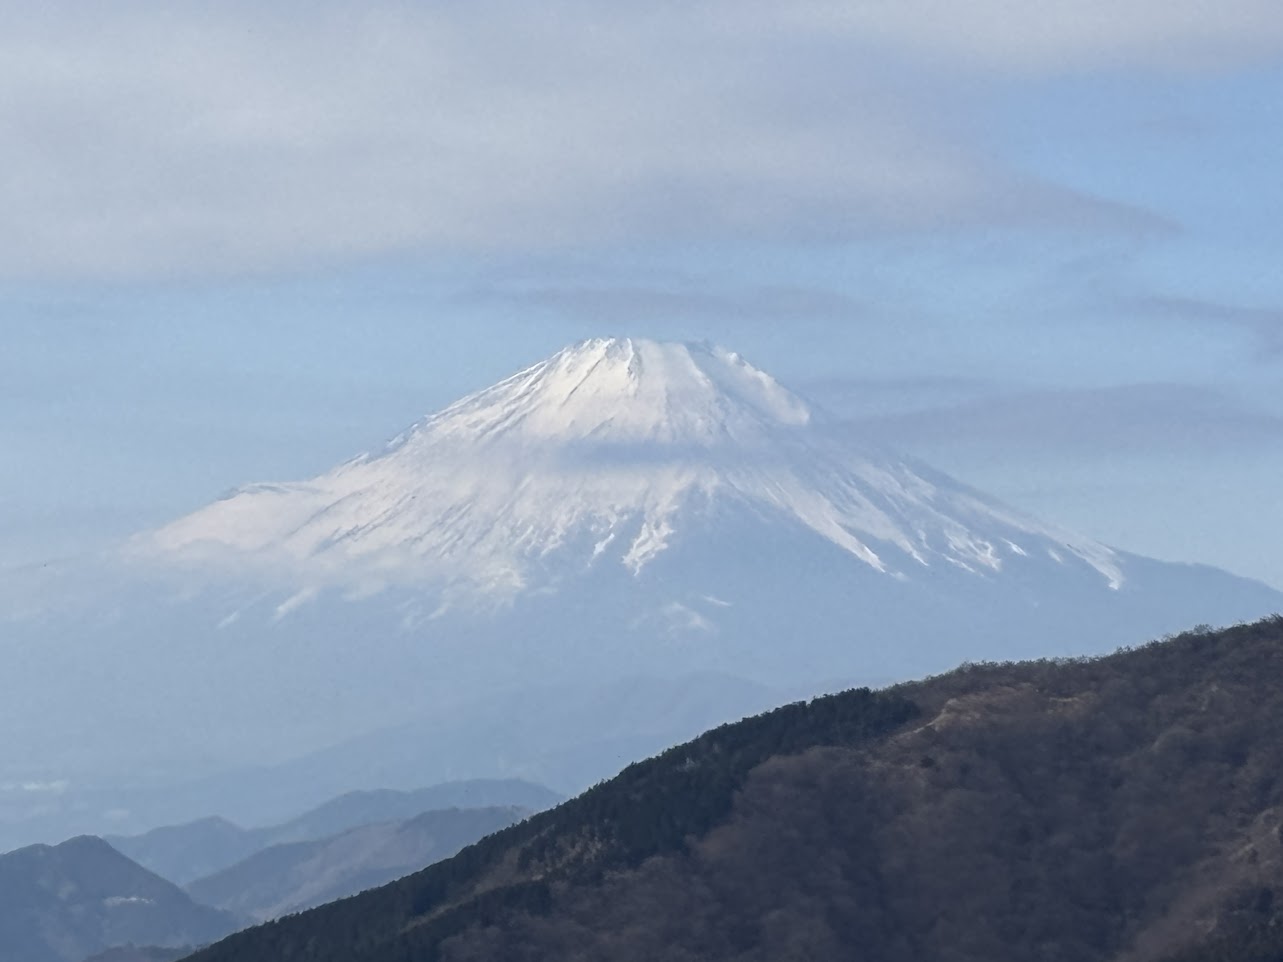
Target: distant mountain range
(66, 902)
(623, 510)
(1123, 809)
(84, 897)
(207, 846)
(292, 876)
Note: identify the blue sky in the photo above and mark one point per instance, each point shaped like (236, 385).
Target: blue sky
(1036, 245)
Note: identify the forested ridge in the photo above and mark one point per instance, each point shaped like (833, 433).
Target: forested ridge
(650, 808)
(1124, 808)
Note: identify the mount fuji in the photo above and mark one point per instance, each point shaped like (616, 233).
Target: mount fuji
(623, 509)
(604, 456)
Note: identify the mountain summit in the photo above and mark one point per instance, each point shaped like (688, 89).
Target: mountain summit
(609, 453)
(624, 390)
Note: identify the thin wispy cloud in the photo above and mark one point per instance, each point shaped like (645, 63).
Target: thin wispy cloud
(1041, 38)
(1134, 419)
(883, 396)
(1264, 325)
(627, 304)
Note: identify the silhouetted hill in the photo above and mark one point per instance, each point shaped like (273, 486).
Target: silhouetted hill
(298, 875)
(1127, 808)
(65, 902)
(184, 853)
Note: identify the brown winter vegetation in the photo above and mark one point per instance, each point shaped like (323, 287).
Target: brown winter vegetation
(1127, 808)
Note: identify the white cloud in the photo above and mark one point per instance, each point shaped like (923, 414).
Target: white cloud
(144, 138)
(56, 787)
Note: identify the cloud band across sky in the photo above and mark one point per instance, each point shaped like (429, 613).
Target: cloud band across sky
(152, 139)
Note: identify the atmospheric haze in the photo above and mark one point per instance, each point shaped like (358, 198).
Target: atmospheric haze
(626, 509)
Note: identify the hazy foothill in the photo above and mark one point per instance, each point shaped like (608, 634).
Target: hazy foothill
(188, 885)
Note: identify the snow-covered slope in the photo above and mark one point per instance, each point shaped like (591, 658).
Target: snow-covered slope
(603, 455)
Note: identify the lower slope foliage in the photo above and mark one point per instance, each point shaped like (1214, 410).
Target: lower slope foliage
(1128, 808)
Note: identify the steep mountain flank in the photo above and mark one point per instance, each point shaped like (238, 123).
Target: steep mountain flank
(1127, 808)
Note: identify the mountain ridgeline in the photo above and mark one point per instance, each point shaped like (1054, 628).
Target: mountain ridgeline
(1125, 808)
(291, 876)
(207, 846)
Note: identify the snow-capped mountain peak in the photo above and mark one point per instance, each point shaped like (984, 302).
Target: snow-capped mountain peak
(623, 390)
(608, 454)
